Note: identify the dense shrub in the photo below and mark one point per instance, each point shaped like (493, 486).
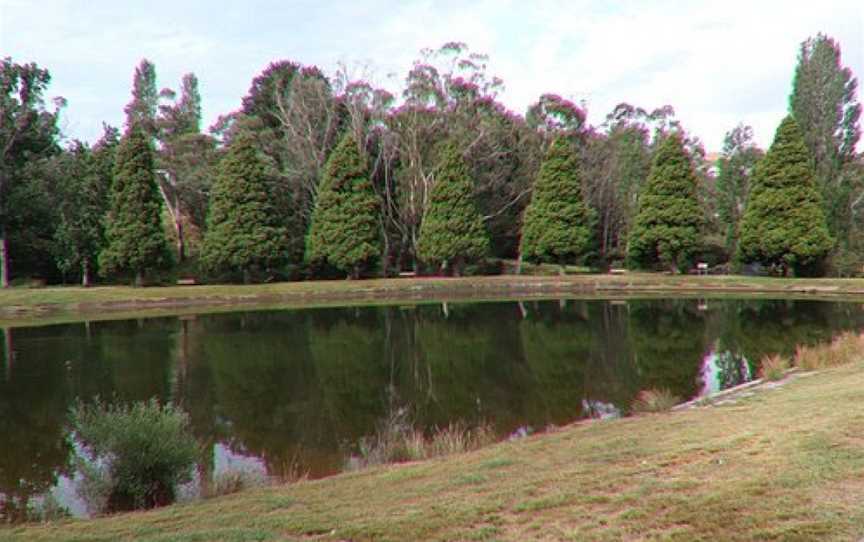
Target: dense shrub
(133, 456)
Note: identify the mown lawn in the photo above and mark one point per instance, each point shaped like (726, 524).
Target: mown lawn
(784, 463)
(31, 306)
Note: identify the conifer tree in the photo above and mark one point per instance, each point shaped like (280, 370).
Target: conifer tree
(243, 229)
(345, 228)
(135, 238)
(784, 224)
(667, 226)
(452, 230)
(558, 223)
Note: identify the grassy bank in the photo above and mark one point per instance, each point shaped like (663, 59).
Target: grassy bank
(24, 306)
(784, 463)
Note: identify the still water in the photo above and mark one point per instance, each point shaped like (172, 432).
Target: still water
(269, 390)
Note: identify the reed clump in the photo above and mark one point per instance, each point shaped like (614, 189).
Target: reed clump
(847, 347)
(398, 441)
(654, 400)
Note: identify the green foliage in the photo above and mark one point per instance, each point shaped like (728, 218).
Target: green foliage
(452, 229)
(135, 238)
(558, 223)
(243, 229)
(345, 227)
(783, 224)
(136, 454)
(28, 132)
(735, 168)
(823, 102)
(82, 204)
(667, 226)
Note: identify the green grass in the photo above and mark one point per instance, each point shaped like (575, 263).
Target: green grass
(786, 463)
(33, 306)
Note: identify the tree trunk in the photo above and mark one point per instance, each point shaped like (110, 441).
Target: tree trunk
(4, 259)
(181, 244)
(139, 279)
(85, 273)
(8, 352)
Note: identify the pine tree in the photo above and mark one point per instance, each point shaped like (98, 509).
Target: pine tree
(243, 230)
(667, 226)
(345, 229)
(135, 238)
(784, 224)
(452, 230)
(558, 223)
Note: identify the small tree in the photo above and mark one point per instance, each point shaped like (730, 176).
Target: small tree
(134, 234)
(243, 229)
(667, 226)
(82, 204)
(452, 230)
(784, 224)
(135, 455)
(558, 223)
(345, 227)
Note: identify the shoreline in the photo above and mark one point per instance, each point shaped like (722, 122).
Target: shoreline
(42, 306)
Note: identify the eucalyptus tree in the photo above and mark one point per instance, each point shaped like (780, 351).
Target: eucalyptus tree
(734, 170)
(28, 131)
(186, 159)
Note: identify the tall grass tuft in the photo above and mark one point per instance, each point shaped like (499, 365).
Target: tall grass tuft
(844, 348)
(397, 441)
(773, 367)
(654, 400)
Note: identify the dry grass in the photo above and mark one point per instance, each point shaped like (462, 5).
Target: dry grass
(654, 400)
(397, 441)
(773, 367)
(845, 348)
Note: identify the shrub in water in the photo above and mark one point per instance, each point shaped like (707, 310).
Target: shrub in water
(133, 456)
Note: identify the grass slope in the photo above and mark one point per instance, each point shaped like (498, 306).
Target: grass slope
(786, 463)
(25, 306)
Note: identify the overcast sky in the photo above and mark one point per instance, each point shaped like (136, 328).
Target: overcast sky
(716, 63)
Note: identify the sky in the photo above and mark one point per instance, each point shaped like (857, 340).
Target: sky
(717, 63)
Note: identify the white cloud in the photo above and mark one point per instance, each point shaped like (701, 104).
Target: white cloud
(717, 64)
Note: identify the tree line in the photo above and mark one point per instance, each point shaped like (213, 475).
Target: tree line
(316, 176)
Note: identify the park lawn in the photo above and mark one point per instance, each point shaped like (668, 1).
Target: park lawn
(33, 306)
(783, 463)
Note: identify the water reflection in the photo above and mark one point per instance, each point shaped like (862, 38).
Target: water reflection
(281, 388)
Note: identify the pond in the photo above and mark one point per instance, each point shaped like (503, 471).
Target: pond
(274, 390)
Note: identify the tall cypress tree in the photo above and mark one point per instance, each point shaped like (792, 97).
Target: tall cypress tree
(558, 223)
(345, 227)
(244, 233)
(135, 238)
(667, 225)
(824, 104)
(784, 224)
(452, 230)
